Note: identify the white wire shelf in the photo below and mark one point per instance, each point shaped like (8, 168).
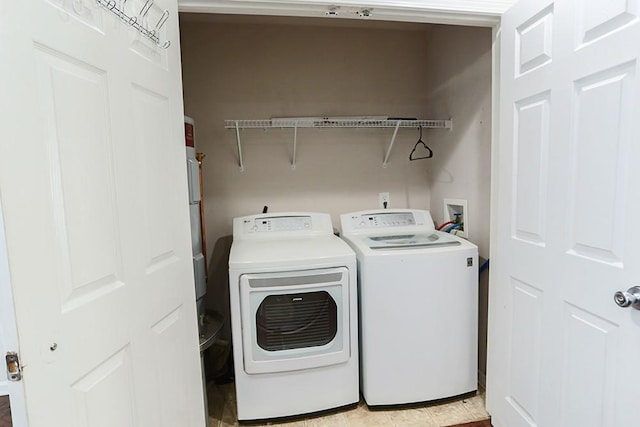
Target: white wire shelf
(332, 123)
(336, 123)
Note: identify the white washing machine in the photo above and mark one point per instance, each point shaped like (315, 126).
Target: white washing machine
(418, 291)
(293, 315)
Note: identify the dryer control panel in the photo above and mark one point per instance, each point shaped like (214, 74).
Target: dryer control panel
(283, 223)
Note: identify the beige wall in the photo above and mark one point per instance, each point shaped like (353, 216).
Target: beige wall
(460, 86)
(242, 68)
(255, 71)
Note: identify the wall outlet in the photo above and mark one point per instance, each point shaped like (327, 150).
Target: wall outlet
(383, 200)
(456, 210)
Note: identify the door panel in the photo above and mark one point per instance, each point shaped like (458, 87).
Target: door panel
(95, 402)
(151, 119)
(601, 111)
(169, 345)
(597, 19)
(79, 157)
(533, 41)
(593, 405)
(95, 205)
(526, 336)
(560, 350)
(531, 164)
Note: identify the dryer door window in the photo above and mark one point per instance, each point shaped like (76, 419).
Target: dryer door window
(296, 320)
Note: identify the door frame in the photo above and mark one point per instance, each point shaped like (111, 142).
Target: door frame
(9, 332)
(494, 214)
(458, 12)
(448, 12)
(454, 12)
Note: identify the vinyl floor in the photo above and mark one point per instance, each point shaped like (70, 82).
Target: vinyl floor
(469, 412)
(5, 412)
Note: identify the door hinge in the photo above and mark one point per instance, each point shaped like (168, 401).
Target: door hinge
(14, 370)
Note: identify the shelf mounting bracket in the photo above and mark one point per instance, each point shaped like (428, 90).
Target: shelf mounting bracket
(295, 142)
(241, 164)
(393, 139)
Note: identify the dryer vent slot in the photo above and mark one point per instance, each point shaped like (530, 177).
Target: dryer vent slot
(300, 320)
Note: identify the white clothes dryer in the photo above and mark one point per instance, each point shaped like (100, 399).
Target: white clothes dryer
(418, 294)
(293, 315)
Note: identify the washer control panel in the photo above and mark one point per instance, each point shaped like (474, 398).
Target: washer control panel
(386, 220)
(411, 219)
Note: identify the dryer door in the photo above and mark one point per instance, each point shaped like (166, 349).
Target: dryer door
(295, 320)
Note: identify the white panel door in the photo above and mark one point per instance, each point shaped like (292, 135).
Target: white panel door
(561, 352)
(94, 196)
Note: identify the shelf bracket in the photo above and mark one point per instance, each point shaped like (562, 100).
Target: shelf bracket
(293, 153)
(239, 147)
(393, 139)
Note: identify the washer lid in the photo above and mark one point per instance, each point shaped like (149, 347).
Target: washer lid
(410, 240)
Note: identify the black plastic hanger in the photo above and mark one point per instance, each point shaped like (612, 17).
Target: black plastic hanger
(420, 141)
